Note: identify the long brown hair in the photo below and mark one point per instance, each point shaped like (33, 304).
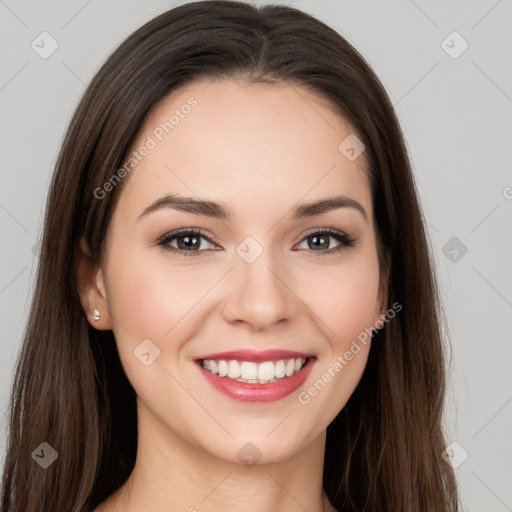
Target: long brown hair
(383, 450)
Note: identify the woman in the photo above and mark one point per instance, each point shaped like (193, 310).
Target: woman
(251, 376)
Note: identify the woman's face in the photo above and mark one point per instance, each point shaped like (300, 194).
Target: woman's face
(257, 280)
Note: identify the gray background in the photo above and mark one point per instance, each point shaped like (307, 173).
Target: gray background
(456, 117)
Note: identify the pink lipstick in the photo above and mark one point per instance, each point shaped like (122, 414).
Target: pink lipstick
(256, 376)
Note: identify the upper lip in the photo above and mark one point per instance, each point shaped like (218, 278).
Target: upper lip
(255, 356)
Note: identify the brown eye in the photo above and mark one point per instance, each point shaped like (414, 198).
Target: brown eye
(188, 242)
(320, 241)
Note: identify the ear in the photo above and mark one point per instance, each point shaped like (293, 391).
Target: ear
(91, 287)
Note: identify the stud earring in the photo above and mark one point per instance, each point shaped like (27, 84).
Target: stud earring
(95, 315)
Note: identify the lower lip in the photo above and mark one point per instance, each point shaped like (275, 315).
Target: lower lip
(246, 392)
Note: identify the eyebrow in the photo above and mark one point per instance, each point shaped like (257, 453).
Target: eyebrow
(218, 211)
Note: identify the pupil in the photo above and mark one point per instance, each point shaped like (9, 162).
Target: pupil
(186, 243)
(325, 243)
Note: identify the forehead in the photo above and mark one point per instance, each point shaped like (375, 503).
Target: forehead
(247, 145)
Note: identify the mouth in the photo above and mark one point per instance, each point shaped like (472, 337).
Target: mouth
(252, 372)
(256, 376)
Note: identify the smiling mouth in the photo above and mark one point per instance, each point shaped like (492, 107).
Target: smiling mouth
(265, 372)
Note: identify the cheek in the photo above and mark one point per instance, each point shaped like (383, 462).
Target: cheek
(151, 299)
(346, 300)
(346, 303)
(150, 296)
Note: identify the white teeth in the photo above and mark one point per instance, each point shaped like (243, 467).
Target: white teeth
(290, 368)
(266, 370)
(254, 373)
(280, 368)
(223, 368)
(233, 369)
(248, 370)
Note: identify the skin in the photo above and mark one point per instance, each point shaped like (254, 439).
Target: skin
(259, 149)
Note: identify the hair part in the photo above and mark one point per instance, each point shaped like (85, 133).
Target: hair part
(383, 450)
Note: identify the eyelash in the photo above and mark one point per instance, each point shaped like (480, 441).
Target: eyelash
(346, 240)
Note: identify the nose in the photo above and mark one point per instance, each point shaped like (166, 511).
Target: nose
(258, 294)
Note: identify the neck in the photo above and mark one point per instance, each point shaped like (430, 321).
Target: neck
(171, 473)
